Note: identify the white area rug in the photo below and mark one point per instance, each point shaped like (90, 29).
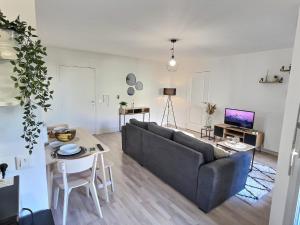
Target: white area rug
(260, 182)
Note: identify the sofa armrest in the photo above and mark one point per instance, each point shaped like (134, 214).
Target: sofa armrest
(221, 179)
(123, 132)
(132, 141)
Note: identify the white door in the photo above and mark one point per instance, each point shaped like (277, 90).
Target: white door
(286, 192)
(198, 93)
(292, 215)
(77, 97)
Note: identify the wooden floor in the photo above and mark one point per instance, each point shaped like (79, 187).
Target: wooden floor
(141, 198)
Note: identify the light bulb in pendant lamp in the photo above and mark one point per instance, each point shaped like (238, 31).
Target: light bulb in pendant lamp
(172, 63)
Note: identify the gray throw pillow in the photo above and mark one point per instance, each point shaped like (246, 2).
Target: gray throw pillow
(207, 150)
(220, 153)
(161, 131)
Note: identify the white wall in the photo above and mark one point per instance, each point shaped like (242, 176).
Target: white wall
(234, 83)
(280, 205)
(111, 71)
(33, 186)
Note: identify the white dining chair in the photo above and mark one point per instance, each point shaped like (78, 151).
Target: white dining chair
(110, 182)
(76, 173)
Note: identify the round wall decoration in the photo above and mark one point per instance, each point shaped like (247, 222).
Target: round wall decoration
(139, 86)
(131, 79)
(130, 91)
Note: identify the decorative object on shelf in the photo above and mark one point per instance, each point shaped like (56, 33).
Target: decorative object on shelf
(283, 69)
(275, 79)
(210, 110)
(169, 92)
(123, 104)
(7, 44)
(30, 77)
(172, 64)
(208, 121)
(131, 79)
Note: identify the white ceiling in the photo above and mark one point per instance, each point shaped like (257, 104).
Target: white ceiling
(141, 28)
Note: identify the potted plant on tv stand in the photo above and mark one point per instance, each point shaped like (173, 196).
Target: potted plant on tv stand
(210, 110)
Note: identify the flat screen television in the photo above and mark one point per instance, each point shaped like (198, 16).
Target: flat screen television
(239, 118)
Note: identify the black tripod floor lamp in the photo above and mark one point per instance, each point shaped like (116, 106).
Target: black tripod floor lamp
(169, 105)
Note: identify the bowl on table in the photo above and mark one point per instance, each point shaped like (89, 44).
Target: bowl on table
(52, 130)
(65, 135)
(68, 149)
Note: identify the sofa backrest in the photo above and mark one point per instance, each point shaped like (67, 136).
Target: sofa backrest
(141, 124)
(207, 150)
(161, 131)
(174, 163)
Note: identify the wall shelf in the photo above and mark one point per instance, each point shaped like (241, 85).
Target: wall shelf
(276, 80)
(283, 69)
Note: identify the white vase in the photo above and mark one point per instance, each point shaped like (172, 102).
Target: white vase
(208, 122)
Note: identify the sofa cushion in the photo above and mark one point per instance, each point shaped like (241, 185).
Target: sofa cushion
(161, 131)
(207, 150)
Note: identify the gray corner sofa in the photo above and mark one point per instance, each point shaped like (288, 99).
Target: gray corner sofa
(186, 163)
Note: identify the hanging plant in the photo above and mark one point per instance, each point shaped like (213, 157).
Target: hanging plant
(29, 76)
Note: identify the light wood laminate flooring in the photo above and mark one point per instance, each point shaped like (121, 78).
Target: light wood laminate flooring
(140, 198)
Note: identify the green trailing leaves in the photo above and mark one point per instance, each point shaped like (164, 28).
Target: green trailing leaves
(30, 77)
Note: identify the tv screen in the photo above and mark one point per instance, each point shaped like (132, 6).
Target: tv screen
(239, 118)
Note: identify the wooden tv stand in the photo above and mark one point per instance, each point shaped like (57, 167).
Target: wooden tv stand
(248, 136)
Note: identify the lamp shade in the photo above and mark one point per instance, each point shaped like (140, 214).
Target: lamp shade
(169, 91)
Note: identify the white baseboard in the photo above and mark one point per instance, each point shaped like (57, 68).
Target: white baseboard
(269, 151)
(108, 130)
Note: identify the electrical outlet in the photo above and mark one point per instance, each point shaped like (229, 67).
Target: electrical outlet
(23, 162)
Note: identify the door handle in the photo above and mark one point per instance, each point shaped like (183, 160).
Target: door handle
(293, 156)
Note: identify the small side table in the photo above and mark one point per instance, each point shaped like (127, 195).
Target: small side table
(207, 132)
(132, 111)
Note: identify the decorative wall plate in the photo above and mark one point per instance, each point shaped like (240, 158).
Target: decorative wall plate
(131, 79)
(130, 91)
(139, 86)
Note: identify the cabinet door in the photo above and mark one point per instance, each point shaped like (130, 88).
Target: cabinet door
(219, 131)
(250, 139)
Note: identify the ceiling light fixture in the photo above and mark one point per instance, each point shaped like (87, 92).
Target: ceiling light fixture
(172, 64)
